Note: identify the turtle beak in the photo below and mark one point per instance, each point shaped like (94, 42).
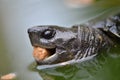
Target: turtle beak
(34, 36)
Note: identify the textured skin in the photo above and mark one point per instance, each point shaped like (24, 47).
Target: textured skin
(77, 42)
(70, 43)
(111, 25)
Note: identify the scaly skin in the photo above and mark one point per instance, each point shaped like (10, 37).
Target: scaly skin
(69, 43)
(77, 42)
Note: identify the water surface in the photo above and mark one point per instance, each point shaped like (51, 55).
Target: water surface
(16, 51)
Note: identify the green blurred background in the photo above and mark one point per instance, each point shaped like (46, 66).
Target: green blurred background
(16, 16)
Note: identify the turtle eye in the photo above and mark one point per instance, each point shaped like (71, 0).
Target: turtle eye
(48, 34)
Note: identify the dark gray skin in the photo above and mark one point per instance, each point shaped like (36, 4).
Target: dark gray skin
(68, 43)
(75, 43)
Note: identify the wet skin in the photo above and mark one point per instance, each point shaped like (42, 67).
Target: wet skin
(76, 42)
(67, 43)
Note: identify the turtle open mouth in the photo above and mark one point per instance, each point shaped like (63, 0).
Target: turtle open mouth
(44, 55)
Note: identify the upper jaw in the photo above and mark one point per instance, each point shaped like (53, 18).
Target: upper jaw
(49, 47)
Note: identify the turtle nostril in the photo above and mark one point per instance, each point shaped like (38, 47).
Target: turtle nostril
(31, 30)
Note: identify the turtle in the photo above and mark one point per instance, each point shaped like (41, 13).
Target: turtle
(66, 45)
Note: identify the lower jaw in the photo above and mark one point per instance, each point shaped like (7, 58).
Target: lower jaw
(50, 60)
